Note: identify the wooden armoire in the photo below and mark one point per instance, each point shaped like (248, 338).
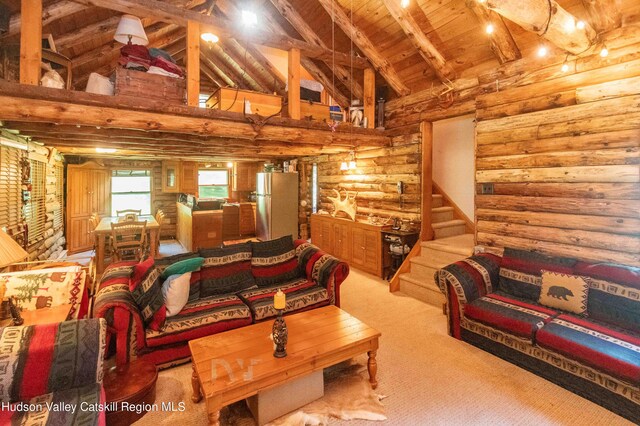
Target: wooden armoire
(88, 192)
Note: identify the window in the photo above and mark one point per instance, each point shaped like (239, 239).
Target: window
(202, 100)
(213, 183)
(131, 189)
(10, 187)
(34, 210)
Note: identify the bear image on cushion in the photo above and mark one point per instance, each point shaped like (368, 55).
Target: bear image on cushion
(559, 292)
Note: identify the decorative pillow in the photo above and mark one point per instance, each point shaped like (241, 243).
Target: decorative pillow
(566, 292)
(164, 262)
(521, 271)
(175, 291)
(145, 285)
(226, 270)
(614, 293)
(183, 266)
(274, 262)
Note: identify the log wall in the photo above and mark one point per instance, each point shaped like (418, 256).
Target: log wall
(562, 156)
(375, 181)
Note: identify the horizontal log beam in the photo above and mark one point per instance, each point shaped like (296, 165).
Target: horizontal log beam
(171, 14)
(40, 104)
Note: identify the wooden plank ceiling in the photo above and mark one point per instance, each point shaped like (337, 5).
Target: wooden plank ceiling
(413, 49)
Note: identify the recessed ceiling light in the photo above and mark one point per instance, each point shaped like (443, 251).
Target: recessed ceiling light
(542, 51)
(580, 25)
(250, 19)
(209, 37)
(229, 164)
(490, 29)
(404, 4)
(106, 150)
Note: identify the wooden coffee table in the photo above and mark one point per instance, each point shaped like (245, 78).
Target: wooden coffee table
(236, 364)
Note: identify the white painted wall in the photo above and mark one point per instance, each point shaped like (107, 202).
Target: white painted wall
(453, 160)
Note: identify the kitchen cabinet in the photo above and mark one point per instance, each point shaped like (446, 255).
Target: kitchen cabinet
(247, 219)
(189, 177)
(244, 176)
(359, 244)
(88, 192)
(231, 220)
(170, 176)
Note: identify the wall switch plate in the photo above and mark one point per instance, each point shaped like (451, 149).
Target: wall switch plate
(486, 188)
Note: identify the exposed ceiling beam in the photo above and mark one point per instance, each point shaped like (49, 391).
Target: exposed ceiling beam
(248, 64)
(221, 51)
(215, 55)
(274, 26)
(228, 82)
(40, 104)
(549, 20)
(50, 13)
(279, 80)
(420, 41)
(204, 69)
(70, 39)
(604, 15)
(502, 43)
(287, 10)
(379, 62)
(169, 13)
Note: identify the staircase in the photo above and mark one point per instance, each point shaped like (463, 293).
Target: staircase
(450, 245)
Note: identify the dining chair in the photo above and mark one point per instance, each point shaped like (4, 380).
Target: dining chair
(133, 213)
(128, 240)
(160, 219)
(94, 221)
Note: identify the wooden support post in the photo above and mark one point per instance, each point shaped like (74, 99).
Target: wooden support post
(193, 63)
(293, 94)
(31, 42)
(426, 130)
(370, 97)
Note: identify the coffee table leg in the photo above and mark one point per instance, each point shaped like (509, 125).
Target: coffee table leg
(195, 384)
(214, 418)
(372, 366)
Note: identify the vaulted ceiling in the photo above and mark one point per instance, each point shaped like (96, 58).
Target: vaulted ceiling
(413, 49)
(453, 30)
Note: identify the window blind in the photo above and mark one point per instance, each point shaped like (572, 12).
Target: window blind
(10, 187)
(58, 214)
(34, 210)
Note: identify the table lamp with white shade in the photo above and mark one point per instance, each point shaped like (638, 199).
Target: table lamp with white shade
(131, 31)
(10, 251)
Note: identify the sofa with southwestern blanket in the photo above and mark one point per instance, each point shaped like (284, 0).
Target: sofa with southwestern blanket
(574, 323)
(233, 288)
(51, 374)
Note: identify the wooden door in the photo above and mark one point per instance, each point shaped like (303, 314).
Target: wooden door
(189, 178)
(88, 192)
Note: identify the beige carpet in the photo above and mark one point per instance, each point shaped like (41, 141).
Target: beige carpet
(430, 378)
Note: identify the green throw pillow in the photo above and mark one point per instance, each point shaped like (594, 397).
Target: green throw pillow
(183, 266)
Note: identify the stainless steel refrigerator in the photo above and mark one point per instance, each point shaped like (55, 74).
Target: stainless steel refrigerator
(276, 205)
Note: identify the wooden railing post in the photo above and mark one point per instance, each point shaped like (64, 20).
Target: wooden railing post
(193, 63)
(293, 96)
(426, 131)
(30, 41)
(369, 89)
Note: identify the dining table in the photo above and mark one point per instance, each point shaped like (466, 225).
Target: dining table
(104, 229)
